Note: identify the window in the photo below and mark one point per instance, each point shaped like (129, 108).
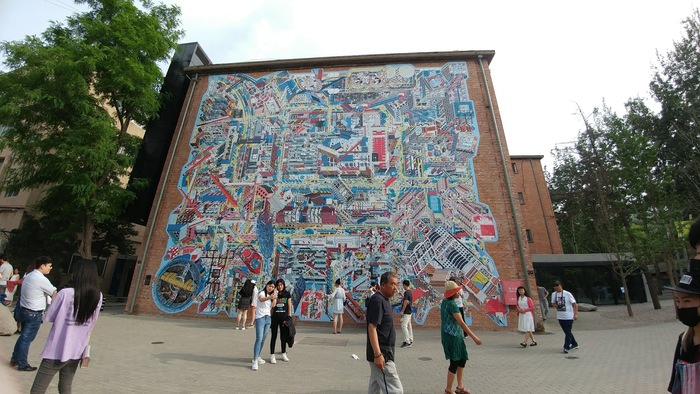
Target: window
(11, 193)
(515, 167)
(521, 198)
(528, 234)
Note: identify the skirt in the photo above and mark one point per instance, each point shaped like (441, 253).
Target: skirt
(244, 303)
(526, 323)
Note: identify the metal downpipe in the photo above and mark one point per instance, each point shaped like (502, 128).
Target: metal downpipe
(518, 234)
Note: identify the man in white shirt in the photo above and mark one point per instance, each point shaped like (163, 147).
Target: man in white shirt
(35, 287)
(567, 312)
(5, 275)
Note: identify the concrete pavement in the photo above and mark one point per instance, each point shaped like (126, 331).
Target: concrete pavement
(136, 354)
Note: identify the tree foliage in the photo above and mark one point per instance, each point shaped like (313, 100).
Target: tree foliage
(68, 100)
(676, 86)
(629, 181)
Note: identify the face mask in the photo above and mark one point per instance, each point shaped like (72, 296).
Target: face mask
(688, 316)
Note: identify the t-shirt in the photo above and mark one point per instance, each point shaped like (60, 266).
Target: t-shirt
(379, 312)
(281, 305)
(6, 271)
(67, 340)
(408, 295)
(541, 292)
(263, 308)
(565, 305)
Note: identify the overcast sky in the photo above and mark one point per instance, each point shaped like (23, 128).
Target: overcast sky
(550, 55)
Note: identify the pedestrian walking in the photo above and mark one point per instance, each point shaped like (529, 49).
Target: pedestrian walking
(567, 313)
(381, 339)
(526, 322)
(543, 295)
(452, 333)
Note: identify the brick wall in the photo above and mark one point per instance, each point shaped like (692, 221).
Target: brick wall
(490, 178)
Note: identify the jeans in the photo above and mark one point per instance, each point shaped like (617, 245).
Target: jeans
(569, 340)
(48, 368)
(262, 327)
(31, 321)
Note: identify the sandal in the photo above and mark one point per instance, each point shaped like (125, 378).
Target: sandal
(523, 344)
(462, 390)
(533, 343)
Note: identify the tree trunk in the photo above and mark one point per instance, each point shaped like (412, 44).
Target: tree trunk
(627, 296)
(85, 248)
(653, 285)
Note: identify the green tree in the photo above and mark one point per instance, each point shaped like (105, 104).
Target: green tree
(68, 100)
(23, 247)
(676, 86)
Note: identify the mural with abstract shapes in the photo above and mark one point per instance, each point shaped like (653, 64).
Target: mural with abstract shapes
(331, 174)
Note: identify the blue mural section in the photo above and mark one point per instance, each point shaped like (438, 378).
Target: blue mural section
(322, 175)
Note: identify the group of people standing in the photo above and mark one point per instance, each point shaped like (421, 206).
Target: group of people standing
(73, 311)
(272, 308)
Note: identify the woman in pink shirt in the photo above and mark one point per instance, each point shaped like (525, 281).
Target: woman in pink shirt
(73, 312)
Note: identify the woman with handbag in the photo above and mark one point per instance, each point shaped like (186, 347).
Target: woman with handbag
(244, 301)
(526, 323)
(73, 312)
(282, 310)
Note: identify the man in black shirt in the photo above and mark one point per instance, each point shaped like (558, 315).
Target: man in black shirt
(381, 338)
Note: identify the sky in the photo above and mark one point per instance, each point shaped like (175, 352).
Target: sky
(551, 56)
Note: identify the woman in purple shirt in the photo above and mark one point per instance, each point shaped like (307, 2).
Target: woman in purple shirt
(73, 312)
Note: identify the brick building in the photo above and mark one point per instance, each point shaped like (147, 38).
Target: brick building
(368, 163)
(532, 195)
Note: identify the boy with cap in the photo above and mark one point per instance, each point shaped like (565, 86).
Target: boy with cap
(685, 376)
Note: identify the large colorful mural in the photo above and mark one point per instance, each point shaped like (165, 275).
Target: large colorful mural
(319, 175)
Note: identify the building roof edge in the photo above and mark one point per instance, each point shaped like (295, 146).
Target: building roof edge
(356, 60)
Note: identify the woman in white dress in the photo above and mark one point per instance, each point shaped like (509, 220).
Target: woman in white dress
(338, 297)
(526, 323)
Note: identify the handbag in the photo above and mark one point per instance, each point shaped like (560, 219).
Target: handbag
(686, 378)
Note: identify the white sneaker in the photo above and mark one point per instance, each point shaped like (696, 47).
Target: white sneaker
(273, 360)
(242, 328)
(255, 365)
(284, 357)
(260, 360)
